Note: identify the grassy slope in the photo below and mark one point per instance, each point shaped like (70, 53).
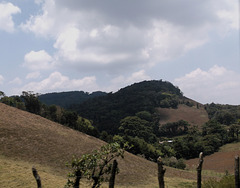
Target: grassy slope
(193, 115)
(27, 139)
(221, 161)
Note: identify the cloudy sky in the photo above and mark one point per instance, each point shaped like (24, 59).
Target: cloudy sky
(64, 45)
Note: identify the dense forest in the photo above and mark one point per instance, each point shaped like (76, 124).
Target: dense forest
(67, 99)
(130, 115)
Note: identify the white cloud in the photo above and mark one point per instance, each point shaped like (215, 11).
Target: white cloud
(217, 85)
(1, 79)
(33, 75)
(168, 41)
(230, 14)
(39, 60)
(143, 35)
(16, 81)
(6, 12)
(42, 24)
(38, 2)
(58, 82)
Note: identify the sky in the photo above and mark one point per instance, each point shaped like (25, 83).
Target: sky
(92, 45)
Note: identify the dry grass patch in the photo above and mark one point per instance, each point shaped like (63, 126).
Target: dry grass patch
(221, 162)
(15, 173)
(193, 115)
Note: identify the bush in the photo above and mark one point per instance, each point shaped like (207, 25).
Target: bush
(173, 162)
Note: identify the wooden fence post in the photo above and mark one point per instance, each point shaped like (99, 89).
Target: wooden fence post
(237, 172)
(113, 174)
(199, 171)
(78, 175)
(161, 172)
(37, 177)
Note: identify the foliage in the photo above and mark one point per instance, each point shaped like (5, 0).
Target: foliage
(96, 166)
(174, 162)
(2, 94)
(212, 136)
(107, 111)
(14, 101)
(135, 126)
(68, 99)
(224, 114)
(139, 147)
(31, 101)
(174, 128)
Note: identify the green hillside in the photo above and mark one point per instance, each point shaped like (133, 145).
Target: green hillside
(107, 111)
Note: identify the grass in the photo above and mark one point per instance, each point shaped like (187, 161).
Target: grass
(192, 115)
(15, 173)
(230, 147)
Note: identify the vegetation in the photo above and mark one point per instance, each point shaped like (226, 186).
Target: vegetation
(68, 99)
(29, 101)
(107, 111)
(227, 181)
(130, 115)
(94, 166)
(224, 114)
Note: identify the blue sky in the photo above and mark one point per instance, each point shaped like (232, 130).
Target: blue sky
(65, 45)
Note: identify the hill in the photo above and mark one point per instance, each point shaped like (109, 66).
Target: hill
(107, 111)
(110, 108)
(30, 139)
(67, 99)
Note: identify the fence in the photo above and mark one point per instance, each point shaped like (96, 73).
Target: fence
(161, 172)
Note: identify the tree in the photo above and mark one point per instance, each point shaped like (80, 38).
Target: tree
(135, 126)
(31, 101)
(69, 119)
(2, 94)
(96, 166)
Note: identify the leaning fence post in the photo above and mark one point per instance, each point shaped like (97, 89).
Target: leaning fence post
(199, 171)
(37, 177)
(237, 172)
(161, 171)
(113, 174)
(78, 175)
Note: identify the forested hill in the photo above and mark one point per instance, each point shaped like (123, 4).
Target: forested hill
(107, 111)
(66, 99)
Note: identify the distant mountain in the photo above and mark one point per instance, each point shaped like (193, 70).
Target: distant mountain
(67, 99)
